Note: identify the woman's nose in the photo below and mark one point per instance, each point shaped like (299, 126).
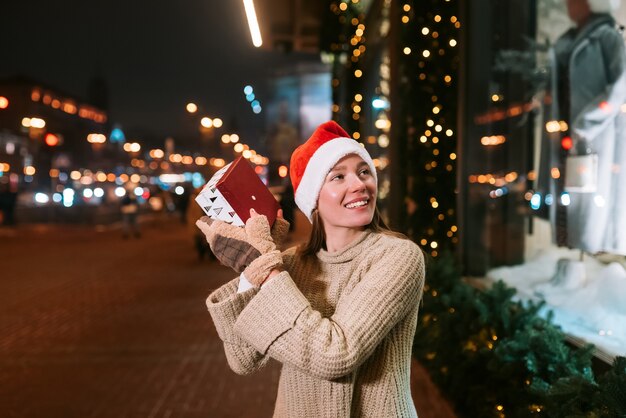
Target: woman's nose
(357, 184)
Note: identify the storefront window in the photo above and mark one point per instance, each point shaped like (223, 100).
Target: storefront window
(544, 158)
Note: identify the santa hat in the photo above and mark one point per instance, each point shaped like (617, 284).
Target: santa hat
(313, 160)
(603, 6)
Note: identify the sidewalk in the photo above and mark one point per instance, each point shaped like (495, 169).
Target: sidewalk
(92, 325)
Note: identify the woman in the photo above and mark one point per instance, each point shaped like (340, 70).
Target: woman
(340, 312)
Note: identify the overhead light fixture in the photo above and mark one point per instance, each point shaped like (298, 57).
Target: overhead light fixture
(253, 23)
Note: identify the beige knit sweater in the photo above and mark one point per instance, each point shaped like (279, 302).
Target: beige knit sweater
(341, 324)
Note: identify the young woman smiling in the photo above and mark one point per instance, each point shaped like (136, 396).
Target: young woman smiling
(339, 312)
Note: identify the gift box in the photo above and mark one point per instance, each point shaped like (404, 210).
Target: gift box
(233, 191)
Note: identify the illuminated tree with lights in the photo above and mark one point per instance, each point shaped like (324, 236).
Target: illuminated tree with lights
(428, 66)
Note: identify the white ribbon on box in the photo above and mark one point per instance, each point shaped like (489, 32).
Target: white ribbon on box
(581, 173)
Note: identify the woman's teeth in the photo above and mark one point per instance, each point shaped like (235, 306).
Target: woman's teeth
(356, 204)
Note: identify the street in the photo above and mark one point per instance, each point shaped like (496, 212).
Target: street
(93, 325)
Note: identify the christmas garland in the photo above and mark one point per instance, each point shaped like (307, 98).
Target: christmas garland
(496, 357)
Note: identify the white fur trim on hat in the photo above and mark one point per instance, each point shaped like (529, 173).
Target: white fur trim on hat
(603, 6)
(320, 164)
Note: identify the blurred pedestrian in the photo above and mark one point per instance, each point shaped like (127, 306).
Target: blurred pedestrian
(339, 312)
(182, 203)
(130, 215)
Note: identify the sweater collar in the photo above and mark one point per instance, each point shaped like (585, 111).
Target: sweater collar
(350, 251)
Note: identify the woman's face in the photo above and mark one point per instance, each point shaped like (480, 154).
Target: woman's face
(348, 196)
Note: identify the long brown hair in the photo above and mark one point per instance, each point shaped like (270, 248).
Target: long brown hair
(317, 239)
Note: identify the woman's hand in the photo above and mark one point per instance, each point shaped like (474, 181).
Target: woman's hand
(234, 247)
(228, 243)
(259, 235)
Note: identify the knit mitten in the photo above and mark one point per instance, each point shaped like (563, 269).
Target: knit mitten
(230, 244)
(259, 235)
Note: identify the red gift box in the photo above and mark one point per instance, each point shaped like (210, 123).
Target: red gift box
(233, 191)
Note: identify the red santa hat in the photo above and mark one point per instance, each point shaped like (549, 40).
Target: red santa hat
(313, 160)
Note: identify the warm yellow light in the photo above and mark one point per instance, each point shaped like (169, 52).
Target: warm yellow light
(430, 122)
(206, 122)
(234, 138)
(29, 170)
(247, 154)
(191, 107)
(96, 138)
(343, 7)
(358, 73)
(201, 161)
(452, 42)
(4, 102)
(425, 31)
(356, 108)
(406, 50)
(436, 109)
(405, 19)
(358, 97)
(225, 138)
(217, 122)
(75, 175)
(135, 178)
(253, 23)
(238, 147)
(437, 18)
(555, 173)
(426, 53)
(283, 171)
(453, 156)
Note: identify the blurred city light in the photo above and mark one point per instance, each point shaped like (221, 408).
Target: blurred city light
(191, 107)
(179, 190)
(68, 197)
(120, 191)
(206, 122)
(247, 90)
(535, 201)
(51, 140)
(117, 135)
(41, 198)
(4, 102)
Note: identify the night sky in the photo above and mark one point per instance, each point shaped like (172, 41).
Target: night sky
(155, 56)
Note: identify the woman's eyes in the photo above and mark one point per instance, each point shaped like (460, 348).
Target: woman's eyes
(365, 172)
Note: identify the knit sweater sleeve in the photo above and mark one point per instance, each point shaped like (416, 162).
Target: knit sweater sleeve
(279, 321)
(224, 306)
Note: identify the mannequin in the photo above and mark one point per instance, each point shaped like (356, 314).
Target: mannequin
(588, 91)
